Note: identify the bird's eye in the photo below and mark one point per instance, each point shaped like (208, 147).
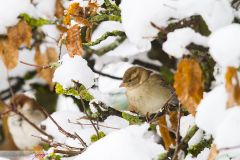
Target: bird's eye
(129, 80)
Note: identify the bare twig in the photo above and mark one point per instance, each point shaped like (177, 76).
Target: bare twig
(85, 124)
(73, 136)
(106, 75)
(32, 124)
(175, 155)
(35, 65)
(95, 128)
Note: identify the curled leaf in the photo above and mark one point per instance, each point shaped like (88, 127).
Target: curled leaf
(188, 83)
(73, 9)
(232, 87)
(73, 41)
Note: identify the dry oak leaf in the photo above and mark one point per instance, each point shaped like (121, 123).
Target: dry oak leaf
(20, 34)
(59, 9)
(73, 41)
(73, 10)
(232, 87)
(188, 83)
(9, 54)
(213, 152)
(45, 59)
(167, 139)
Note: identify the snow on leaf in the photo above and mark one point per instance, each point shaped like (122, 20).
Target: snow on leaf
(45, 59)
(188, 83)
(167, 139)
(20, 34)
(232, 87)
(73, 41)
(73, 69)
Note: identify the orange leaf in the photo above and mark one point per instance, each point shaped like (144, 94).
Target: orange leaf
(20, 34)
(9, 54)
(213, 152)
(50, 56)
(73, 10)
(232, 87)
(174, 120)
(73, 41)
(167, 139)
(59, 9)
(188, 83)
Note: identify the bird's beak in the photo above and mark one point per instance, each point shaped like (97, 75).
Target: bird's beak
(122, 85)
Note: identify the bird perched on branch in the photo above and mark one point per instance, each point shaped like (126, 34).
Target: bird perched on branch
(146, 91)
(22, 132)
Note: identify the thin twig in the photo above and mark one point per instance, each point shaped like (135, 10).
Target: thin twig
(81, 140)
(177, 148)
(85, 124)
(106, 75)
(83, 105)
(32, 124)
(35, 65)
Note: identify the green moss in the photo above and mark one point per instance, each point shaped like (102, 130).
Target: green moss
(131, 119)
(95, 138)
(33, 22)
(199, 147)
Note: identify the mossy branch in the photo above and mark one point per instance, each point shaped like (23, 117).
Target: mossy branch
(105, 36)
(33, 22)
(104, 17)
(194, 150)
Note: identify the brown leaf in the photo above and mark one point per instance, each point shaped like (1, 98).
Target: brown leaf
(9, 54)
(174, 120)
(167, 139)
(20, 34)
(73, 10)
(73, 41)
(7, 143)
(213, 152)
(48, 57)
(59, 9)
(232, 87)
(188, 83)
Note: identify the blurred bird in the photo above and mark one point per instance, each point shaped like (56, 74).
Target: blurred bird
(146, 91)
(22, 132)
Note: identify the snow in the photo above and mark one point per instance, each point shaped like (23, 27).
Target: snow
(228, 132)
(66, 104)
(124, 144)
(224, 46)
(179, 39)
(211, 110)
(45, 8)
(136, 17)
(108, 85)
(121, 50)
(10, 10)
(73, 69)
(201, 156)
(67, 120)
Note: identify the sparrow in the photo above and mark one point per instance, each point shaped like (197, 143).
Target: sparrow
(22, 132)
(146, 91)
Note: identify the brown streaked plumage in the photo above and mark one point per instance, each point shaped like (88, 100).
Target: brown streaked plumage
(146, 91)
